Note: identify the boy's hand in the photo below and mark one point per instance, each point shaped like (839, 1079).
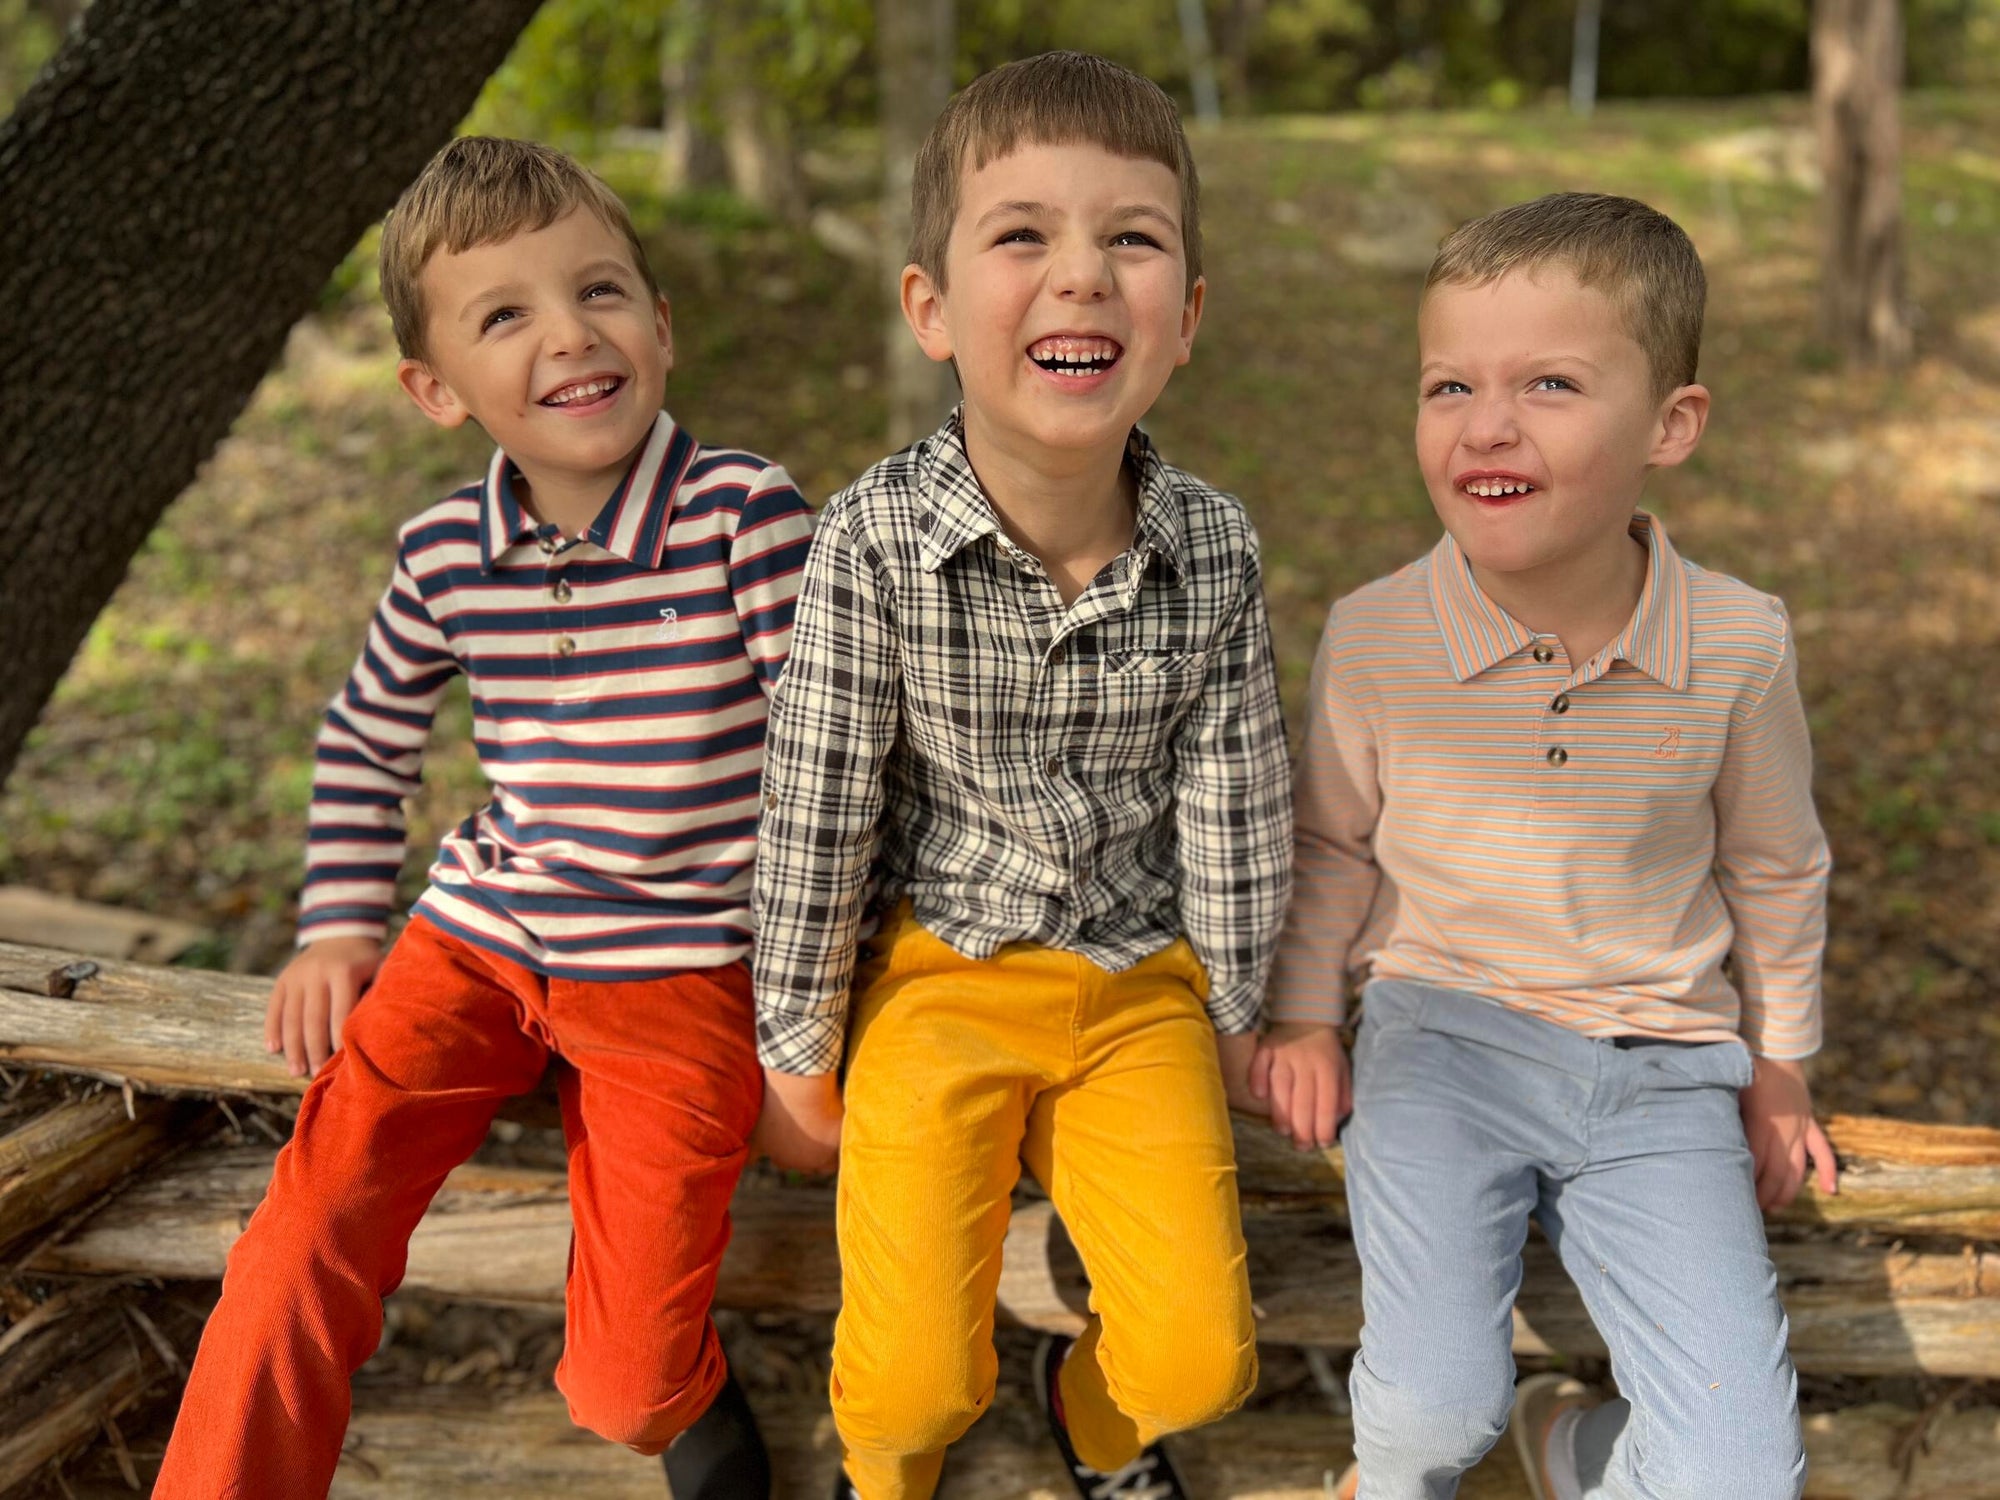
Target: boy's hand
(1778, 1122)
(1236, 1054)
(1302, 1069)
(311, 1000)
(800, 1125)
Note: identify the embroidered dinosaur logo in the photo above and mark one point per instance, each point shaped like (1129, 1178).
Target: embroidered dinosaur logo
(1670, 745)
(669, 624)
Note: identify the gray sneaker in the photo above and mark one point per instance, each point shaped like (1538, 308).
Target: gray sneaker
(1540, 1403)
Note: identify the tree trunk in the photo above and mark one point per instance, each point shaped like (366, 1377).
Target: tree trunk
(757, 140)
(501, 1235)
(915, 42)
(1857, 59)
(690, 153)
(180, 182)
(1585, 37)
(191, 1031)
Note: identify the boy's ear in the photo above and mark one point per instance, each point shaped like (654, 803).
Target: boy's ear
(1683, 419)
(923, 310)
(663, 328)
(434, 398)
(1191, 319)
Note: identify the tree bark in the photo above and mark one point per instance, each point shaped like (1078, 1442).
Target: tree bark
(64, 1158)
(180, 182)
(501, 1235)
(72, 1364)
(411, 1445)
(185, 1030)
(1857, 61)
(915, 42)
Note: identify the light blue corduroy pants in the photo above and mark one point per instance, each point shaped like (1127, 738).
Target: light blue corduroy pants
(1470, 1119)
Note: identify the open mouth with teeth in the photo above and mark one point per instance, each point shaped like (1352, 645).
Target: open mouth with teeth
(1497, 489)
(1075, 358)
(584, 394)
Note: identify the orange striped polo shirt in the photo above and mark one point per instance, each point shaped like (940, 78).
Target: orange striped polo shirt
(1626, 846)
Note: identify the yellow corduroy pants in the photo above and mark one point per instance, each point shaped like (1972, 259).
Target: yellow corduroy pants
(1107, 1086)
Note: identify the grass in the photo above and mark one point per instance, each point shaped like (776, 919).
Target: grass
(171, 771)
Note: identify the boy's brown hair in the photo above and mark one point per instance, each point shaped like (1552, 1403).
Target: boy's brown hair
(1056, 99)
(1635, 255)
(478, 190)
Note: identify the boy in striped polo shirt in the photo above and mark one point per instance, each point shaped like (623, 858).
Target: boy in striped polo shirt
(1555, 805)
(619, 597)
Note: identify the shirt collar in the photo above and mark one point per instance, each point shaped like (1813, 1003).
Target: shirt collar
(953, 511)
(1478, 634)
(633, 522)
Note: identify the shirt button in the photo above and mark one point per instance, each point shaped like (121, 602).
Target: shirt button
(1559, 704)
(1053, 765)
(548, 544)
(561, 591)
(1056, 654)
(770, 799)
(565, 646)
(1544, 653)
(1558, 756)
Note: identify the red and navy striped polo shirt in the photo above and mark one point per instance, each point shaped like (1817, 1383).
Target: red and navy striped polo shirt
(619, 681)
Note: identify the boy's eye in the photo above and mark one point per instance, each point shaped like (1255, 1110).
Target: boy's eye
(1020, 237)
(1554, 383)
(601, 288)
(1135, 237)
(497, 316)
(1449, 388)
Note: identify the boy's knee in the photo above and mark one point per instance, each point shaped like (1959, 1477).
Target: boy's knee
(1184, 1383)
(1440, 1418)
(644, 1413)
(1745, 1459)
(920, 1403)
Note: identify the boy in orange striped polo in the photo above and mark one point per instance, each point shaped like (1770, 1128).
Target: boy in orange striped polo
(1555, 807)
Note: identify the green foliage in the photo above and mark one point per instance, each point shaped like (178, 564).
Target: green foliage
(28, 38)
(580, 68)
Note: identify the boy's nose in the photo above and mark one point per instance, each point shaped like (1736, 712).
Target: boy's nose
(567, 333)
(1489, 425)
(1082, 274)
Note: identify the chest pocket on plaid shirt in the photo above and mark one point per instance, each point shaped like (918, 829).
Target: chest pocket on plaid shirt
(1149, 690)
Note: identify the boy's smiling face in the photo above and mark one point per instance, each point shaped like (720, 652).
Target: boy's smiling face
(1066, 305)
(1538, 421)
(551, 341)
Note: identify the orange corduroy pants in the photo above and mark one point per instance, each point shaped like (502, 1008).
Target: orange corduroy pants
(660, 1089)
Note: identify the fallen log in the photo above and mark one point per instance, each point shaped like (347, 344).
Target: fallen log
(182, 1030)
(501, 1236)
(66, 1369)
(416, 1445)
(63, 1158)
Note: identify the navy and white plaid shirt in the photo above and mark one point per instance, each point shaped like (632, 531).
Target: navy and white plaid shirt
(1100, 778)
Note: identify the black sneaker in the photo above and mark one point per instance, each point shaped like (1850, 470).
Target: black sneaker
(1150, 1476)
(721, 1457)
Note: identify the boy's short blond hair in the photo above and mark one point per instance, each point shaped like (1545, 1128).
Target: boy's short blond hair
(1056, 99)
(479, 190)
(1637, 256)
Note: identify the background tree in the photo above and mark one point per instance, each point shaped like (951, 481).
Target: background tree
(180, 182)
(914, 47)
(1857, 54)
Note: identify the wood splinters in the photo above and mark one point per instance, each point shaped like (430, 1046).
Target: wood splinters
(127, 1470)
